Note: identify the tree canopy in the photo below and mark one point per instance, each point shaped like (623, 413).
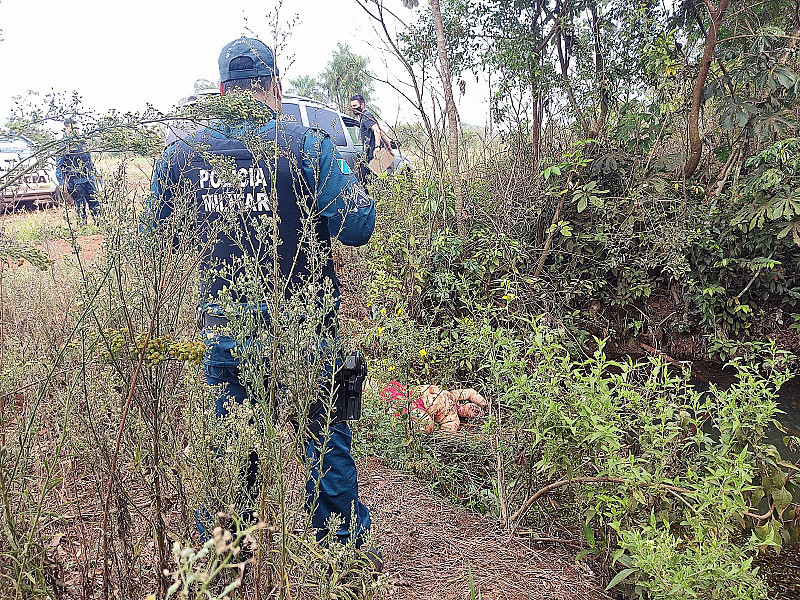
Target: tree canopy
(308, 86)
(346, 74)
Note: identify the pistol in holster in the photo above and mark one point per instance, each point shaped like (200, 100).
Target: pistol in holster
(350, 380)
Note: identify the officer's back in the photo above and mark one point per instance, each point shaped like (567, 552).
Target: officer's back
(267, 181)
(281, 173)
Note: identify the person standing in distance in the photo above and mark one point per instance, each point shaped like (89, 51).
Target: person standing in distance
(75, 173)
(372, 136)
(308, 183)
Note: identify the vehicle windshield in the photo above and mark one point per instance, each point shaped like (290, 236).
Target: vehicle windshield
(329, 121)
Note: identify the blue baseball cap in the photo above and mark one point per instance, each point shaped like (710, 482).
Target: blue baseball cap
(261, 63)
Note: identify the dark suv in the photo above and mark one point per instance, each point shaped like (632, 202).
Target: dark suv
(343, 129)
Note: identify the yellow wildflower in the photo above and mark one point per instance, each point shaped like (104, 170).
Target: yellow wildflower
(423, 353)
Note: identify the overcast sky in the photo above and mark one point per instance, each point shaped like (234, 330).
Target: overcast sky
(123, 55)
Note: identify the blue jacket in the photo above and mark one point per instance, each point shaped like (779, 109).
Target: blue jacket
(75, 165)
(308, 182)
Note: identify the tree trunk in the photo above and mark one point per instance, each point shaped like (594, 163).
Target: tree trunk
(536, 125)
(695, 143)
(491, 116)
(564, 61)
(600, 73)
(549, 241)
(452, 116)
(536, 93)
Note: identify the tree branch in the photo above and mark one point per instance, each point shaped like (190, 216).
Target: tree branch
(695, 142)
(565, 78)
(561, 483)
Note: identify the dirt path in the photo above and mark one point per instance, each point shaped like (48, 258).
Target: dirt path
(48, 230)
(89, 246)
(431, 547)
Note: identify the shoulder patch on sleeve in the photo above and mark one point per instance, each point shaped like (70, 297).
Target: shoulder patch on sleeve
(343, 166)
(360, 198)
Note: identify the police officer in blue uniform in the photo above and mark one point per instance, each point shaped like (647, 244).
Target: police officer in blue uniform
(305, 172)
(75, 173)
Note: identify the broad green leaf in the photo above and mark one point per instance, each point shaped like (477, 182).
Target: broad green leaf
(588, 534)
(782, 498)
(620, 577)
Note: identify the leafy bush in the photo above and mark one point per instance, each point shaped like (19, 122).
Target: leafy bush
(680, 484)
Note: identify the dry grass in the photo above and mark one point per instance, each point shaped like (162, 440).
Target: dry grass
(430, 548)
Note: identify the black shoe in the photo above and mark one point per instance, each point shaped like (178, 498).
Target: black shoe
(375, 559)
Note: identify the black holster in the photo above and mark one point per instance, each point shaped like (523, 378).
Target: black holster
(350, 380)
(349, 384)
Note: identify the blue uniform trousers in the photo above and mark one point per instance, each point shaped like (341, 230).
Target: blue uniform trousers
(83, 195)
(338, 483)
